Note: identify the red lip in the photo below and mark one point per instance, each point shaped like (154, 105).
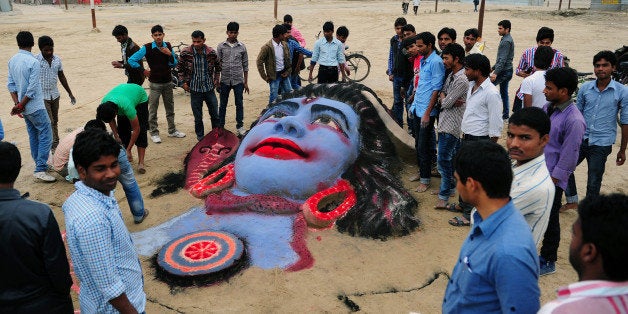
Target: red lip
(278, 148)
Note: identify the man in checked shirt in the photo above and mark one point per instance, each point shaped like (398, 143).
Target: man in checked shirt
(102, 252)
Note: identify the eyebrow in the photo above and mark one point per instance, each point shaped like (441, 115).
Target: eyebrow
(290, 104)
(316, 108)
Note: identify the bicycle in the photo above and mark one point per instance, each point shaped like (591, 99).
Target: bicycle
(359, 66)
(174, 72)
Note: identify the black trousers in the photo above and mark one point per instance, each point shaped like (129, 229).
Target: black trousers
(327, 74)
(551, 239)
(466, 207)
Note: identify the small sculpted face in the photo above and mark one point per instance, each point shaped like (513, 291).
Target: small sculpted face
(299, 147)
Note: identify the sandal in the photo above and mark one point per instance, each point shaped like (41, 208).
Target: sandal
(141, 170)
(453, 207)
(459, 222)
(422, 188)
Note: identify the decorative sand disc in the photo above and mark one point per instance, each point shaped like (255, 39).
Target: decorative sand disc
(203, 257)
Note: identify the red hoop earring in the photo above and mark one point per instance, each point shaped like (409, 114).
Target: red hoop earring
(316, 208)
(217, 181)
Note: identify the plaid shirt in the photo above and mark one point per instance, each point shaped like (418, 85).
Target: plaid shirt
(234, 61)
(199, 69)
(102, 252)
(48, 75)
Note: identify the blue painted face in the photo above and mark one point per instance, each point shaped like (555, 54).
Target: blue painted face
(298, 148)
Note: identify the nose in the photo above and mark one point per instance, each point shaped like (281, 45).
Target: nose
(291, 126)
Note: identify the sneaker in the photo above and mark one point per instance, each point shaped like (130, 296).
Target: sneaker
(139, 221)
(176, 134)
(156, 139)
(241, 131)
(43, 176)
(547, 267)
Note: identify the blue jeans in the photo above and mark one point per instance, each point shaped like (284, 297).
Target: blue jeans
(447, 146)
(502, 80)
(127, 180)
(40, 137)
(295, 81)
(398, 107)
(422, 142)
(278, 86)
(596, 162)
(130, 186)
(196, 101)
(238, 90)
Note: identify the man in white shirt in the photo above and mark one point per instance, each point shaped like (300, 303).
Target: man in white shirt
(482, 119)
(470, 39)
(532, 189)
(532, 86)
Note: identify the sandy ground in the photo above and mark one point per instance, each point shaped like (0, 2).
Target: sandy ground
(378, 276)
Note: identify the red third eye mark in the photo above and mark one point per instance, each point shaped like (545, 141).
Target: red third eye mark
(201, 250)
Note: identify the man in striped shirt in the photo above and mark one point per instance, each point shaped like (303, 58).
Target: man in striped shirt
(199, 70)
(532, 190)
(544, 37)
(598, 254)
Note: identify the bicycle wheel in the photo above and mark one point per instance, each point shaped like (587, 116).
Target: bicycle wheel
(359, 66)
(303, 74)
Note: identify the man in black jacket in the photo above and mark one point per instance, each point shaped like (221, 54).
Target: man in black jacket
(34, 268)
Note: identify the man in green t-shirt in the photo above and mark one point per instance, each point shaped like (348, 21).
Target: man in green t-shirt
(130, 103)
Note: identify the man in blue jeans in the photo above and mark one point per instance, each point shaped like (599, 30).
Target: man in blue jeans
(126, 177)
(399, 70)
(274, 64)
(600, 102)
(430, 83)
(234, 60)
(502, 70)
(199, 70)
(452, 101)
(28, 99)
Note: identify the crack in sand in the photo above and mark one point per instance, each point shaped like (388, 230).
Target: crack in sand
(163, 305)
(354, 307)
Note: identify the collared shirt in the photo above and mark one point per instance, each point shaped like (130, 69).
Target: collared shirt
(134, 60)
(527, 60)
(430, 80)
(567, 129)
(600, 109)
(526, 63)
(48, 76)
(23, 79)
(534, 85)
(328, 53)
(278, 48)
(201, 81)
(34, 267)
(591, 296)
(532, 193)
(495, 273)
(455, 88)
(294, 47)
(103, 254)
(234, 61)
(483, 115)
(505, 54)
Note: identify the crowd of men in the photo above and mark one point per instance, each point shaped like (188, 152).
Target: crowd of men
(510, 198)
